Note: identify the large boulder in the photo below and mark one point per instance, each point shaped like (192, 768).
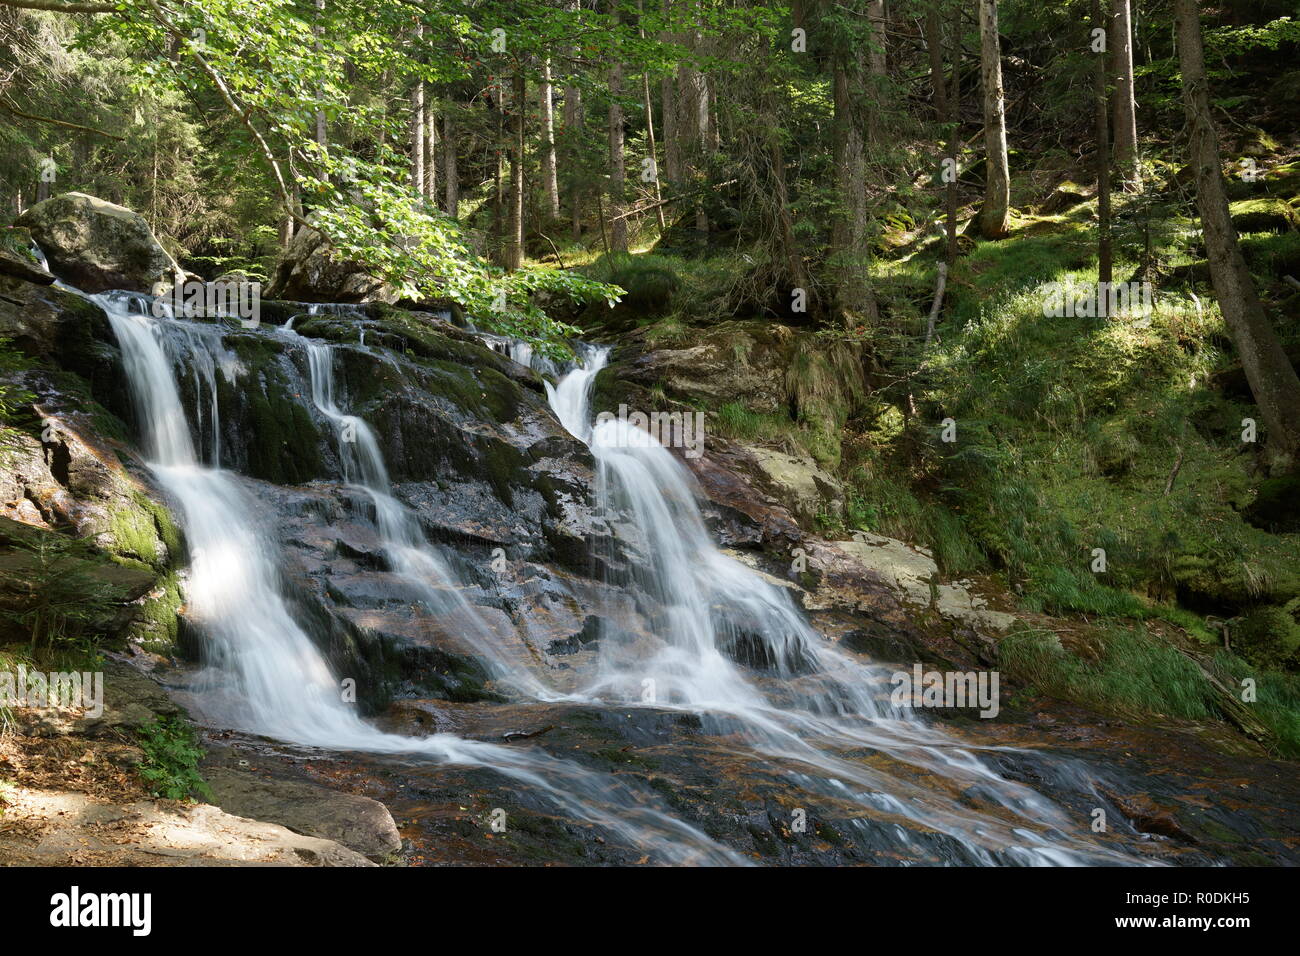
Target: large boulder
(311, 272)
(95, 245)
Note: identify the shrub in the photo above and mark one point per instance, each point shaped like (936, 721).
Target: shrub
(171, 760)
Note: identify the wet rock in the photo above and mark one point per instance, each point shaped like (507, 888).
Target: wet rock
(95, 245)
(16, 259)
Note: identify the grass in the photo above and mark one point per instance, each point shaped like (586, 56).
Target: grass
(1135, 674)
(1125, 672)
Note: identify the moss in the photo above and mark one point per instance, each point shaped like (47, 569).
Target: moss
(143, 530)
(1265, 214)
(1268, 637)
(283, 444)
(156, 624)
(825, 384)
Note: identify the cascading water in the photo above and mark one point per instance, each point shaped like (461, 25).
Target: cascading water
(283, 685)
(409, 555)
(821, 704)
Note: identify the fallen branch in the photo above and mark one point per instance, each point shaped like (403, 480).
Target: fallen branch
(526, 734)
(940, 285)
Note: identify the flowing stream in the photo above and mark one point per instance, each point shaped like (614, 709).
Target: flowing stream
(723, 642)
(279, 676)
(814, 703)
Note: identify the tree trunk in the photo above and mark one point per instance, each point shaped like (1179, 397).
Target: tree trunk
(1121, 44)
(574, 120)
(1272, 378)
(322, 137)
(672, 171)
(450, 174)
(648, 105)
(850, 255)
(995, 216)
(617, 169)
(1104, 269)
(877, 18)
(417, 136)
(944, 113)
(514, 251)
(430, 190)
(550, 176)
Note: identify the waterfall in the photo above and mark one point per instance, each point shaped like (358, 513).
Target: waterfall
(280, 682)
(818, 704)
(405, 547)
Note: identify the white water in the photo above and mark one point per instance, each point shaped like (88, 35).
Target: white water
(819, 704)
(279, 677)
(408, 553)
(816, 718)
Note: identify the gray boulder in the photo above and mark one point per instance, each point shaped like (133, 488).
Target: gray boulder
(95, 245)
(310, 272)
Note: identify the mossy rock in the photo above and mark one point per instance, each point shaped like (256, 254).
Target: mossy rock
(1266, 214)
(143, 530)
(156, 625)
(96, 245)
(1268, 637)
(59, 591)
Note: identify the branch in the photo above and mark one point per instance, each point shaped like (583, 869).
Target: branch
(55, 6)
(7, 106)
(228, 98)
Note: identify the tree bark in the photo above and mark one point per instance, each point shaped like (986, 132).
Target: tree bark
(514, 251)
(648, 106)
(1121, 44)
(672, 171)
(876, 16)
(550, 174)
(1104, 267)
(850, 256)
(322, 135)
(995, 216)
(617, 168)
(450, 174)
(945, 112)
(417, 135)
(1272, 378)
(430, 190)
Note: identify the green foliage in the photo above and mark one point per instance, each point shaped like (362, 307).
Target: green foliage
(56, 592)
(1269, 636)
(649, 281)
(1277, 702)
(172, 753)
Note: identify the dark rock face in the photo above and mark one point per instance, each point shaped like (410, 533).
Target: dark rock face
(96, 245)
(17, 261)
